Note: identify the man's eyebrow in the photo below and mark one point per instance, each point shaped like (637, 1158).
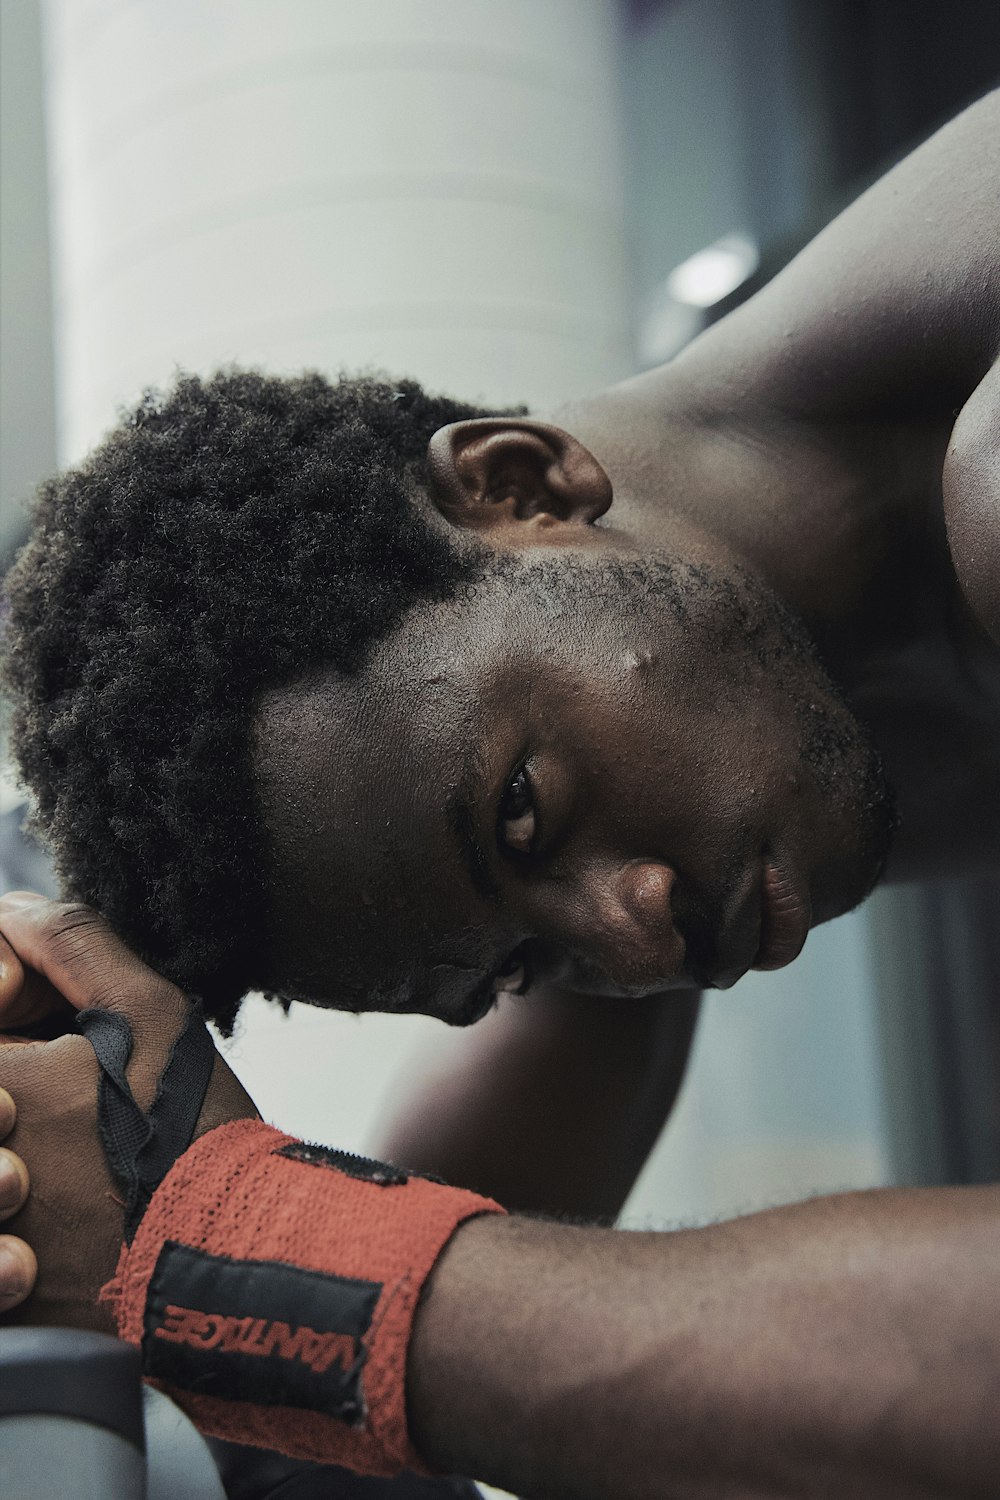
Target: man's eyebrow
(469, 794)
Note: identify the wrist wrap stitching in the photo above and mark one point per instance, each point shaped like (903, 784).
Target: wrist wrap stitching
(272, 1287)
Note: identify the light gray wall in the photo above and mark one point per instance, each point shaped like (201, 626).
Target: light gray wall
(428, 186)
(724, 129)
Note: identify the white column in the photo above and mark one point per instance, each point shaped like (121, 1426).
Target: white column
(428, 186)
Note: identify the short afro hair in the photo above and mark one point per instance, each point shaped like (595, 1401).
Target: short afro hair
(224, 537)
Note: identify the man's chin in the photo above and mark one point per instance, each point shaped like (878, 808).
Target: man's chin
(472, 1011)
(466, 1009)
(454, 1004)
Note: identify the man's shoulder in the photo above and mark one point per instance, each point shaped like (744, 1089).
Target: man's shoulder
(972, 501)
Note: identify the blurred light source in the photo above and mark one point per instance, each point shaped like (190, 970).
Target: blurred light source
(674, 312)
(711, 274)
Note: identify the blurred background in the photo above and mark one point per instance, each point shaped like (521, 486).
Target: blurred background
(512, 200)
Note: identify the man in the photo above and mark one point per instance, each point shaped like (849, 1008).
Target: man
(549, 713)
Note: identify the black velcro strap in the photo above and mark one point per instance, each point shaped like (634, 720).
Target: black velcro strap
(180, 1095)
(381, 1173)
(141, 1148)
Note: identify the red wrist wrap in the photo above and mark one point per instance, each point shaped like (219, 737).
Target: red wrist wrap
(272, 1287)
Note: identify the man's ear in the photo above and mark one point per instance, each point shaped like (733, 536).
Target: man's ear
(506, 474)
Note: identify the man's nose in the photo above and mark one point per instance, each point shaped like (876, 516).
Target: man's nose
(623, 919)
(644, 889)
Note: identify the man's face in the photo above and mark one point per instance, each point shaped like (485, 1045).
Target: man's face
(618, 774)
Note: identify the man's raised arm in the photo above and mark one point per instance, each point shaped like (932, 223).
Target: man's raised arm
(893, 311)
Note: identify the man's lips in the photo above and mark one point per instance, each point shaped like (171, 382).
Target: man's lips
(722, 950)
(786, 913)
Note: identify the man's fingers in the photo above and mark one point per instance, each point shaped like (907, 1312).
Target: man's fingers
(13, 1183)
(78, 954)
(11, 977)
(27, 998)
(18, 1270)
(8, 1113)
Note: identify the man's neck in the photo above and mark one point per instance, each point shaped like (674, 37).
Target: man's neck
(845, 523)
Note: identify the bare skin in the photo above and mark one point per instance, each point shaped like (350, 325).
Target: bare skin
(837, 436)
(680, 1366)
(552, 1103)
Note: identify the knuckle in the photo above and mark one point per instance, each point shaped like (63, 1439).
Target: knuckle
(72, 932)
(62, 919)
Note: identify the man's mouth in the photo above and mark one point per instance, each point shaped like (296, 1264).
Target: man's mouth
(475, 1005)
(721, 932)
(515, 974)
(763, 924)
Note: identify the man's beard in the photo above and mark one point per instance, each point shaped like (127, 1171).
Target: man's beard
(750, 632)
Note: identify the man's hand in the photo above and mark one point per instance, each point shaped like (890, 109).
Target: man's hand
(73, 1217)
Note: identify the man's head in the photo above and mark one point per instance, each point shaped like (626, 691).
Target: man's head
(224, 536)
(304, 711)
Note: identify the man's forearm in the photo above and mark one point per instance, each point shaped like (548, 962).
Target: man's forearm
(552, 1103)
(848, 1346)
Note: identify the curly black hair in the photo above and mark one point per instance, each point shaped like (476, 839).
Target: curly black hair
(226, 536)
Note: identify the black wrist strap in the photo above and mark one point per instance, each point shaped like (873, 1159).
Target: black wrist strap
(141, 1149)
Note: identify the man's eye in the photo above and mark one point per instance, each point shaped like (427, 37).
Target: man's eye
(517, 821)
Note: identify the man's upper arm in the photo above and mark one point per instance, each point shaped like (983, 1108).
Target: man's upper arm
(972, 500)
(894, 309)
(553, 1102)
